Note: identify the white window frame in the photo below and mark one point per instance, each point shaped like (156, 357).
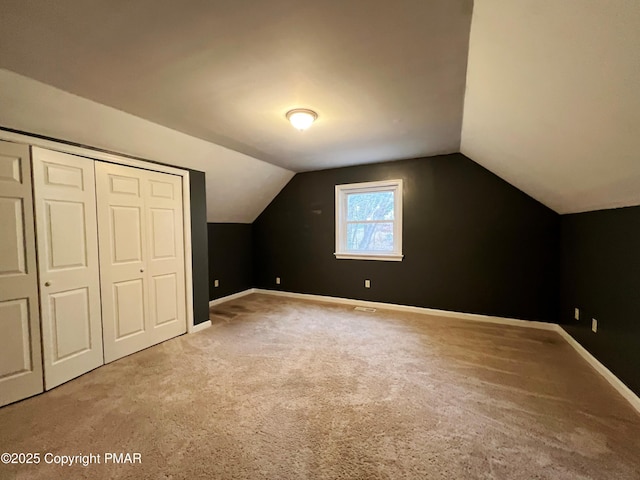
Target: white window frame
(342, 191)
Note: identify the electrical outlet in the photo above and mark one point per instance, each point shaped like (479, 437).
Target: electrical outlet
(216, 283)
(594, 325)
(367, 284)
(576, 313)
(277, 280)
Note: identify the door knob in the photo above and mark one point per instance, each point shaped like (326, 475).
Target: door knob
(142, 270)
(47, 284)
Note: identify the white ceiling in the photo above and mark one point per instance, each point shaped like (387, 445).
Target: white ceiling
(386, 78)
(553, 99)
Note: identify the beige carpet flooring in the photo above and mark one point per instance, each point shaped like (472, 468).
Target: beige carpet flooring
(288, 389)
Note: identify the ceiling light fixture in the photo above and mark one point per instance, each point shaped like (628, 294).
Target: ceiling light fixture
(301, 118)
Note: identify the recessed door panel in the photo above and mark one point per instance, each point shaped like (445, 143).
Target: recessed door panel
(63, 175)
(126, 232)
(66, 234)
(125, 185)
(161, 189)
(71, 323)
(65, 204)
(128, 298)
(12, 245)
(15, 338)
(165, 298)
(10, 169)
(163, 235)
(20, 340)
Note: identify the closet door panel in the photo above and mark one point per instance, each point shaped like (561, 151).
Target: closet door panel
(64, 192)
(142, 254)
(122, 237)
(166, 255)
(20, 353)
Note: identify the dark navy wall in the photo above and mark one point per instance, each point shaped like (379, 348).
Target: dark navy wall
(601, 277)
(472, 242)
(230, 258)
(199, 246)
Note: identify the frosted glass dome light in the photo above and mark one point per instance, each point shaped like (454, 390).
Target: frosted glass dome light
(301, 118)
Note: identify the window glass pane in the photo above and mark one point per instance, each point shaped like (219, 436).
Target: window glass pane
(370, 237)
(369, 206)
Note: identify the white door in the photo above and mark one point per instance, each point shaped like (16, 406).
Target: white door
(141, 256)
(165, 255)
(20, 357)
(65, 201)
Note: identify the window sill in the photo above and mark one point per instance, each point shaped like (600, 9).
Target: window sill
(393, 257)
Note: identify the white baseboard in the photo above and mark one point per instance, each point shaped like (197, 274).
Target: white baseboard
(233, 296)
(408, 308)
(201, 326)
(614, 381)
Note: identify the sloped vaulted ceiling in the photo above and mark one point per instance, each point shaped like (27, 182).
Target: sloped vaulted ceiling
(553, 99)
(238, 187)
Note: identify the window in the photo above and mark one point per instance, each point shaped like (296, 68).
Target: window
(369, 221)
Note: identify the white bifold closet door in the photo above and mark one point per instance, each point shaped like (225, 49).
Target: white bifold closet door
(65, 200)
(20, 358)
(141, 237)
